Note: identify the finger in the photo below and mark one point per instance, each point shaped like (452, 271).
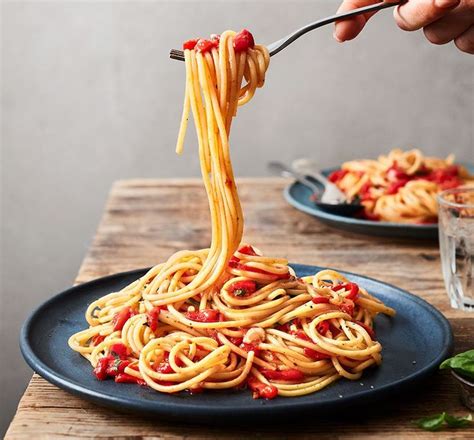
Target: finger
(414, 15)
(465, 41)
(449, 27)
(349, 28)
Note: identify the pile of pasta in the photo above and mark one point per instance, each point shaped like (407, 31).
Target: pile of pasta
(400, 187)
(259, 326)
(227, 316)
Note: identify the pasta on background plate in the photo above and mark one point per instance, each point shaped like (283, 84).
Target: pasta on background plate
(400, 187)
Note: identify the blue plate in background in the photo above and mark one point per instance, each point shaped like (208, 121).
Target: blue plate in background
(298, 196)
(414, 343)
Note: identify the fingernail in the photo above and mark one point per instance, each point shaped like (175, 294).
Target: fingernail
(337, 38)
(446, 3)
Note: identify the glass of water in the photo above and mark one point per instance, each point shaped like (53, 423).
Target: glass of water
(456, 240)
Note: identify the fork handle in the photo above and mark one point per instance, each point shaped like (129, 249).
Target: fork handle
(284, 42)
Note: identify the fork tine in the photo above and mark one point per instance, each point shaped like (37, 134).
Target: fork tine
(177, 54)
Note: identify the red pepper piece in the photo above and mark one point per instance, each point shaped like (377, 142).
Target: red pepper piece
(126, 378)
(290, 375)
(122, 317)
(337, 176)
(260, 389)
(119, 350)
(196, 390)
(204, 45)
(97, 339)
(243, 40)
(243, 288)
(315, 355)
(320, 300)
(100, 370)
(206, 315)
(212, 333)
(190, 44)
(368, 329)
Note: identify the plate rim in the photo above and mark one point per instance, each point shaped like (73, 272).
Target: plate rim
(267, 408)
(319, 213)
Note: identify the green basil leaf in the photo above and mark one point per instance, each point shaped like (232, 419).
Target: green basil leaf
(458, 422)
(462, 363)
(432, 423)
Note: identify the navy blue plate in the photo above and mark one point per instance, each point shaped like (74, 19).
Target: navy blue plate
(298, 196)
(414, 343)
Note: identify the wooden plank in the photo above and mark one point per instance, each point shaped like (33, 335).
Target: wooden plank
(147, 220)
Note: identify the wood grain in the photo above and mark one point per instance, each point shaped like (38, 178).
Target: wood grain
(147, 220)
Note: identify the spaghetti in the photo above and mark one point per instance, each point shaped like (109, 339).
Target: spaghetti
(402, 186)
(227, 316)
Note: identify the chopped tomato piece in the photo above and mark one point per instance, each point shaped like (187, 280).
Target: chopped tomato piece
(337, 176)
(100, 370)
(122, 317)
(395, 186)
(116, 366)
(152, 317)
(323, 327)
(215, 39)
(236, 341)
(250, 347)
(260, 389)
(126, 378)
(248, 250)
(206, 315)
(320, 300)
(301, 335)
(315, 355)
(204, 45)
(291, 375)
(352, 287)
(190, 44)
(243, 40)
(97, 339)
(243, 288)
(119, 351)
(348, 308)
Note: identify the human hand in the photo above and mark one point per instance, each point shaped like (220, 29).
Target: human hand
(442, 20)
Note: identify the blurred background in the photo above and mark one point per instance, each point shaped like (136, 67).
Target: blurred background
(89, 96)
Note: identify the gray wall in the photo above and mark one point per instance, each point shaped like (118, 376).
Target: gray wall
(89, 96)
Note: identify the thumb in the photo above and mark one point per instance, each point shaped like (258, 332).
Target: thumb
(416, 14)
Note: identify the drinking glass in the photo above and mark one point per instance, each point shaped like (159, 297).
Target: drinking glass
(456, 240)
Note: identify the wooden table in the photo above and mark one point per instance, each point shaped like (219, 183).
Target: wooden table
(147, 220)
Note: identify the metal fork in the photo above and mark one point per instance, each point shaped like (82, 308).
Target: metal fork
(279, 45)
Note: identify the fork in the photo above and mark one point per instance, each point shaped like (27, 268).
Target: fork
(279, 45)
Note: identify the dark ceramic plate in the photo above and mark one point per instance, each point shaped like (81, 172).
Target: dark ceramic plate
(414, 343)
(298, 196)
